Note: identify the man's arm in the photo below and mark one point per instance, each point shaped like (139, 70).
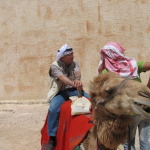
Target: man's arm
(76, 83)
(65, 80)
(148, 84)
(57, 73)
(146, 66)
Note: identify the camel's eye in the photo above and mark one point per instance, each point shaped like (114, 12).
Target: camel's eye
(109, 91)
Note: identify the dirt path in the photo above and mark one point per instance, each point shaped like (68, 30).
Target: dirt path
(20, 125)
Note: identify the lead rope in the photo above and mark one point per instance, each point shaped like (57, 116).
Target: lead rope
(129, 138)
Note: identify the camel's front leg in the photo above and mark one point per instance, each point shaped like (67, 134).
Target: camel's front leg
(90, 142)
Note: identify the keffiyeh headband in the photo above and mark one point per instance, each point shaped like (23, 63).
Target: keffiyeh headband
(113, 59)
(64, 50)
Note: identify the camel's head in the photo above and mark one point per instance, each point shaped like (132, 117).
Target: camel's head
(130, 98)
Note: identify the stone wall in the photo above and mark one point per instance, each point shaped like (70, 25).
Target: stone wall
(31, 31)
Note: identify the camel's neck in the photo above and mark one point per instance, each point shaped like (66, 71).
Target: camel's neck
(111, 128)
(103, 114)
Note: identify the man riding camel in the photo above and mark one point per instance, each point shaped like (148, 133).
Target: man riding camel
(65, 82)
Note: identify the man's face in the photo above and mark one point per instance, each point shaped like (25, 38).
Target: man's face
(68, 59)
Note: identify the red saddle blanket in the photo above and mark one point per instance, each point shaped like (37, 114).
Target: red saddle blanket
(71, 130)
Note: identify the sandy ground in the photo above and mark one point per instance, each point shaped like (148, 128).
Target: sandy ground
(20, 125)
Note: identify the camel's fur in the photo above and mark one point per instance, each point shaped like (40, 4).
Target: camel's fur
(111, 127)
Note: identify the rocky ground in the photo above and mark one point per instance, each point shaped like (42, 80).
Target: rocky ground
(20, 125)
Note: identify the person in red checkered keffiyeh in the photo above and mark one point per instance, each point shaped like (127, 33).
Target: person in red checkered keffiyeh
(114, 60)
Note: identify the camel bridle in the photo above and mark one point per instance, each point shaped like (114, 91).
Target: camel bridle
(103, 102)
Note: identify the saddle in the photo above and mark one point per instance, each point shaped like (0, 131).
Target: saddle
(72, 129)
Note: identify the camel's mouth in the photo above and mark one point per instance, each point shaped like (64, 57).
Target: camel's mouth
(142, 108)
(142, 104)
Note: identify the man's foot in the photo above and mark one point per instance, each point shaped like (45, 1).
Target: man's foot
(51, 144)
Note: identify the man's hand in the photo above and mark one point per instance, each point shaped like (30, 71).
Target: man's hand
(78, 84)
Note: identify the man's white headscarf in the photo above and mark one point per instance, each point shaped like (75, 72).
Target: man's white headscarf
(64, 50)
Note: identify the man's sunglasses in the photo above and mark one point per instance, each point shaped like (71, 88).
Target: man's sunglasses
(69, 49)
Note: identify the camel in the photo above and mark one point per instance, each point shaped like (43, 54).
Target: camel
(115, 100)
